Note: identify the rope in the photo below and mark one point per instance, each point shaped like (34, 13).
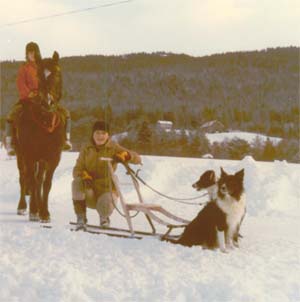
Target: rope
(179, 200)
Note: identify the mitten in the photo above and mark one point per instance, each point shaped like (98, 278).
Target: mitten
(32, 94)
(122, 157)
(87, 178)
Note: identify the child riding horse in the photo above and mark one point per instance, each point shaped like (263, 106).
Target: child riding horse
(31, 88)
(40, 133)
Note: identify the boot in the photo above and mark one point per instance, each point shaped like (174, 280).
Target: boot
(81, 222)
(9, 147)
(68, 145)
(104, 222)
(80, 210)
(8, 141)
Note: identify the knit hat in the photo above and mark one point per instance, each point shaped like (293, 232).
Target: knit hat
(32, 46)
(101, 125)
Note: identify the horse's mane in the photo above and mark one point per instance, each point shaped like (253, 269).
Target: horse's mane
(53, 82)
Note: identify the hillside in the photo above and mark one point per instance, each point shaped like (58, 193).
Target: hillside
(254, 91)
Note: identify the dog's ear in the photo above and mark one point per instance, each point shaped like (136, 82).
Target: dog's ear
(223, 173)
(240, 174)
(55, 56)
(212, 175)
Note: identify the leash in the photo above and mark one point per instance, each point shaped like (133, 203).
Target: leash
(179, 200)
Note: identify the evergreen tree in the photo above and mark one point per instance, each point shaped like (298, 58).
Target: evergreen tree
(144, 137)
(238, 148)
(269, 152)
(257, 148)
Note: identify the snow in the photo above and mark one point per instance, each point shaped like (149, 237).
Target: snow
(250, 137)
(55, 264)
(169, 123)
(218, 137)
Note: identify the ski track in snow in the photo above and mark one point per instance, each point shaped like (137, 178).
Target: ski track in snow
(55, 264)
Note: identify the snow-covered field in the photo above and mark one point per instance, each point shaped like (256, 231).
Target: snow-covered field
(55, 264)
(250, 137)
(219, 137)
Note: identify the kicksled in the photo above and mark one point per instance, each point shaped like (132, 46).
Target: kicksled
(149, 210)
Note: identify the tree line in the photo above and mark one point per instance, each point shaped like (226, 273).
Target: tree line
(254, 91)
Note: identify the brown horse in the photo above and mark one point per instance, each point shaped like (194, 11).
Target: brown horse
(40, 136)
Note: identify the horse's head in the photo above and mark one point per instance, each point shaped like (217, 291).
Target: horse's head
(53, 77)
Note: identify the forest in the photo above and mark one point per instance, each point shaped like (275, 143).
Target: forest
(255, 91)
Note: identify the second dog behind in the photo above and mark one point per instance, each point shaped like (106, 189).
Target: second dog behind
(208, 182)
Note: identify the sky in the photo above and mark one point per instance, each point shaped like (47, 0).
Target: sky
(193, 27)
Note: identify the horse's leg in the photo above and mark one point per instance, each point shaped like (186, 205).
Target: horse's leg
(44, 185)
(40, 174)
(32, 184)
(22, 180)
(46, 189)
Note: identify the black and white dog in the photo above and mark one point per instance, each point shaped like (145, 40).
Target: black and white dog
(217, 224)
(208, 182)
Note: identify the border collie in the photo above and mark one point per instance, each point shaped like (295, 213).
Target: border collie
(207, 181)
(217, 224)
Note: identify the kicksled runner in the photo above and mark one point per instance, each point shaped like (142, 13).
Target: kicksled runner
(149, 210)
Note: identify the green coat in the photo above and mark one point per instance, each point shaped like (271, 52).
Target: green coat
(89, 160)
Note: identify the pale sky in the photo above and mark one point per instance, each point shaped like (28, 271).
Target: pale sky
(194, 27)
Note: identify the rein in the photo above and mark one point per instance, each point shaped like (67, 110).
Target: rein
(55, 121)
(179, 200)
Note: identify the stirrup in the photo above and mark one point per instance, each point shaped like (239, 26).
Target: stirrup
(67, 146)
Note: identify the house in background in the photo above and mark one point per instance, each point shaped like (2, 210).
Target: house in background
(164, 125)
(212, 127)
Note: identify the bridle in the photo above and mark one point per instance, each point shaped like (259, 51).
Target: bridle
(55, 120)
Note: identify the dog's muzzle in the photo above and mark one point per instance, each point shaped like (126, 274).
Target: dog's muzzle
(224, 190)
(195, 186)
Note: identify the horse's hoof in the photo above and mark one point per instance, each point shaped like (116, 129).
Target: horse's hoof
(45, 220)
(34, 217)
(21, 212)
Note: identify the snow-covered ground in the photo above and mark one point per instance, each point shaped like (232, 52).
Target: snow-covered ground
(250, 137)
(55, 264)
(219, 137)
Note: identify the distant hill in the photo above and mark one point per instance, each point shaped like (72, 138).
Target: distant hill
(251, 91)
